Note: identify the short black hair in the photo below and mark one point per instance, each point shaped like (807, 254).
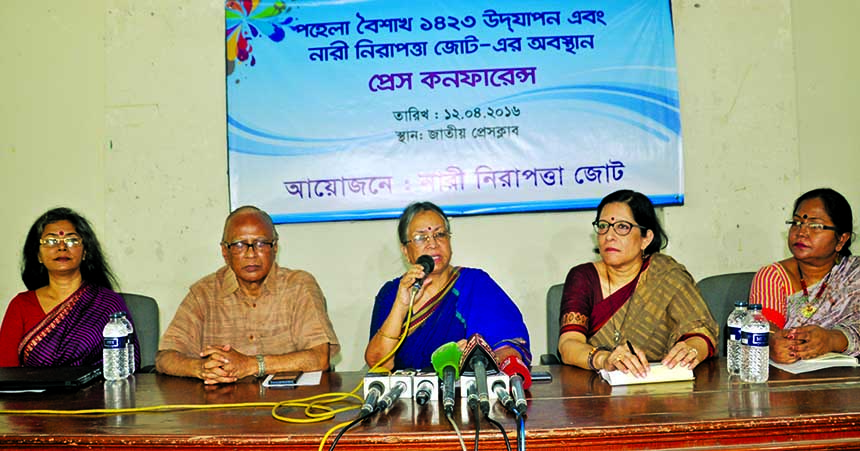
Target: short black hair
(643, 214)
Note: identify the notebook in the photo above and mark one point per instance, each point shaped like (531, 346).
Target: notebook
(829, 360)
(48, 378)
(658, 373)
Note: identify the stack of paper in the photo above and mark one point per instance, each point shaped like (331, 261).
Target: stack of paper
(829, 360)
(658, 373)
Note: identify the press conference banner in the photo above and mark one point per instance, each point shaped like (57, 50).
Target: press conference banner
(341, 110)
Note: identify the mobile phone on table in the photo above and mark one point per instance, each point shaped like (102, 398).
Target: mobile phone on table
(541, 377)
(284, 378)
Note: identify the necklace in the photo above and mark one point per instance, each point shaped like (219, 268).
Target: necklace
(616, 335)
(809, 305)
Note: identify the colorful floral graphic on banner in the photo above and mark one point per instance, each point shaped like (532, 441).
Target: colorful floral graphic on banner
(246, 21)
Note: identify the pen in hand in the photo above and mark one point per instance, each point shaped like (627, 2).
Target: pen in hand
(635, 356)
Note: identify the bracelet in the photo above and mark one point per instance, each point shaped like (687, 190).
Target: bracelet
(592, 354)
(261, 366)
(379, 332)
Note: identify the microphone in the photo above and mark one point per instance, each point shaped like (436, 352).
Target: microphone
(392, 395)
(479, 358)
(425, 387)
(445, 361)
(425, 261)
(521, 379)
(502, 394)
(479, 364)
(374, 391)
(423, 392)
(472, 397)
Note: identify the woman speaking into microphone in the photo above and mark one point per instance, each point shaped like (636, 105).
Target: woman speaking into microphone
(450, 302)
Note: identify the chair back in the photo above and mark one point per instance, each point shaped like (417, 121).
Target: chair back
(553, 310)
(720, 293)
(144, 312)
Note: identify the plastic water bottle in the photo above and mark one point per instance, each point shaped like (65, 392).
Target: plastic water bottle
(754, 343)
(114, 352)
(129, 344)
(733, 341)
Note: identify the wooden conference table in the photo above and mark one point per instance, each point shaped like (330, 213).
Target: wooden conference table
(818, 410)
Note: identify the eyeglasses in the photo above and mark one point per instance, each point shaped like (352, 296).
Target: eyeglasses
(422, 240)
(240, 247)
(622, 228)
(71, 241)
(812, 226)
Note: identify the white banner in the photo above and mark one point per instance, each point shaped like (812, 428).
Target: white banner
(341, 110)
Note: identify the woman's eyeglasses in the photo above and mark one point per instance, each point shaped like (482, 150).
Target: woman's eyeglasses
(622, 228)
(421, 239)
(70, 241)
(812, 226)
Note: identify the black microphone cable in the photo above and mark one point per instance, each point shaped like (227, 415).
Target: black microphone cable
(360, 418)
(502, 430)
(506, 401)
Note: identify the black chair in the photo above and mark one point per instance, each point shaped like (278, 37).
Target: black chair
(144, 312)
(720, 293)
(553, 310)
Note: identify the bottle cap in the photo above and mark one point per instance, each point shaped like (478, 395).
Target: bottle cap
(741, 303)
(755, 307)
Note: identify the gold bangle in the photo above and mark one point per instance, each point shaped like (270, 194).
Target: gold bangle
(592, 355)
(379, 332)
(591, 358)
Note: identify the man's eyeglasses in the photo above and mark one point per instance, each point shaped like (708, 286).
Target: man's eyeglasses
(421, 239)
(812, 226)
(71, 241)
(240, 247)
(622, 228)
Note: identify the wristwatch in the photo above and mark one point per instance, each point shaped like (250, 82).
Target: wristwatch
(261, 366)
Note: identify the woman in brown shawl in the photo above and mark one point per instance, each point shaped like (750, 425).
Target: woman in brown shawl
(633, 298)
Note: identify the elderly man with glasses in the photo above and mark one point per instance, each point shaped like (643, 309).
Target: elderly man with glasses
(251, 317)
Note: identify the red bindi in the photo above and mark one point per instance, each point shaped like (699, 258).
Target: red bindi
(62, 233)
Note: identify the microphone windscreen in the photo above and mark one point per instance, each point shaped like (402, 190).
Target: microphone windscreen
(427, 262)
(476, 345)
(446, 355)
(513, 365)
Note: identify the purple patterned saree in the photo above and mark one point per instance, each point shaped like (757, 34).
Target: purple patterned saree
(71, 333)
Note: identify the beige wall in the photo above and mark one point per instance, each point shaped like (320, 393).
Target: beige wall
(116, 108)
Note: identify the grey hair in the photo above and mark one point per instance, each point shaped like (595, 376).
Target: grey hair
(409, 214)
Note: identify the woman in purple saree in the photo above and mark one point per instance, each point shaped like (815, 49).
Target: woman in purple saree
(451, 303)
(59, 321)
